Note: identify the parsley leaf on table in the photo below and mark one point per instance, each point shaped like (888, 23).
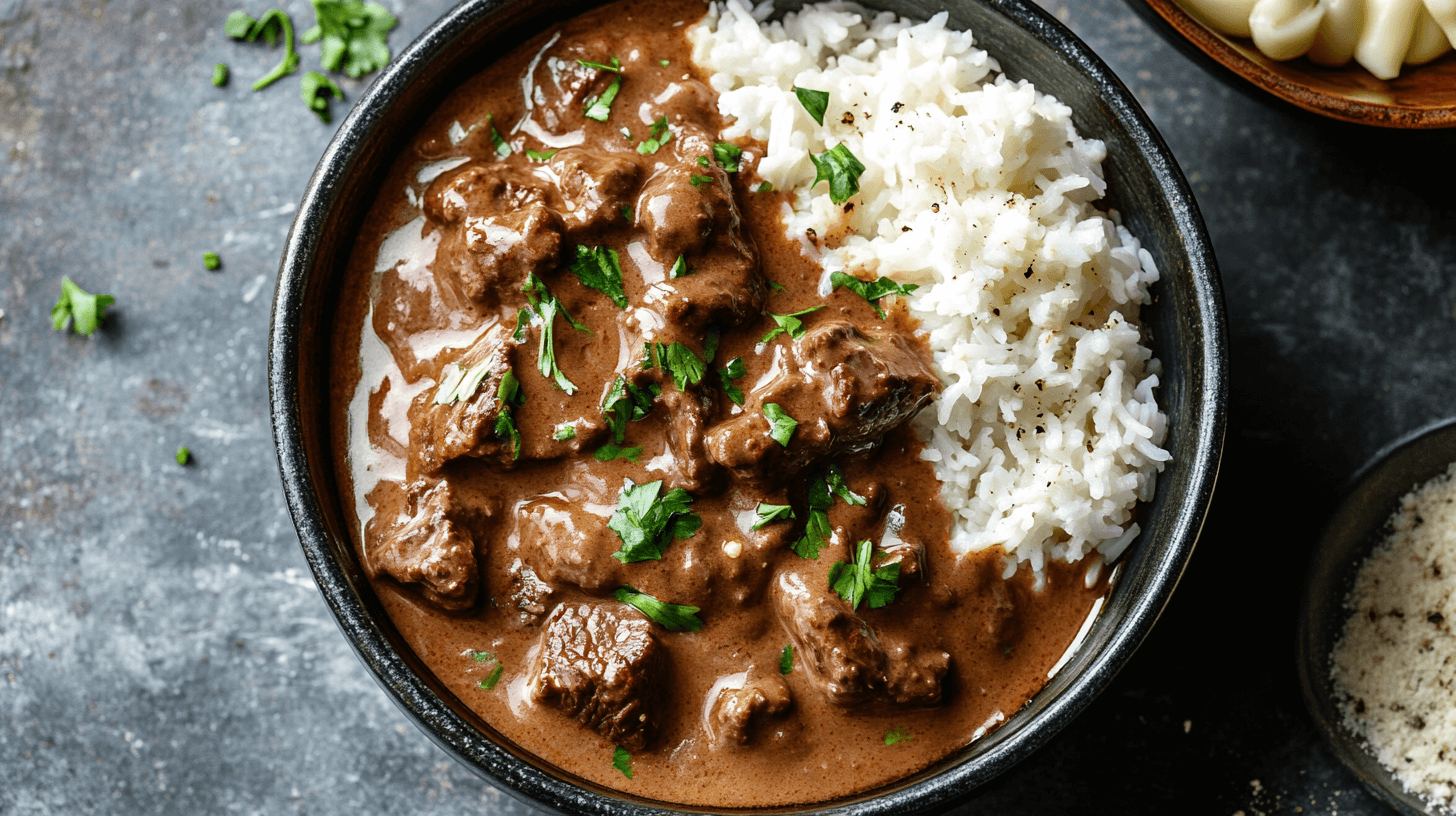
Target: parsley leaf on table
(601, 269)
(240, 26)
(841, 169)
(316, 90)
(355, 35)
(670, 616)
(789, 324)
(873, 290)
(861, 582)
(81, 308)
(183, 455)
(219, 74)
(781, 425)
(647, 523)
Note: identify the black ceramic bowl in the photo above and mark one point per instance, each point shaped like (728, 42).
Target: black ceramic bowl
(1358, 525)
(1186, 326)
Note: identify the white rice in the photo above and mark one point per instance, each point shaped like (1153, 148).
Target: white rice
(1047, 434)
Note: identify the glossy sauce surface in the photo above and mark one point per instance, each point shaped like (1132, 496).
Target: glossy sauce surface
(401, 323)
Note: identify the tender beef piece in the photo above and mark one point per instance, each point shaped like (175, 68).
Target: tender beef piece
(603, 668)
(565, 544)
(561, 85)
(893, 549)
(594, 187)
(529, 595)
(687, 415)
(498, 228)
(736, 714)
(845, 388)
(441, 433)
(847, 656)
(433, 549)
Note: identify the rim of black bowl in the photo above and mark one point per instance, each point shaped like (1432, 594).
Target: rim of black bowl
(525, 778)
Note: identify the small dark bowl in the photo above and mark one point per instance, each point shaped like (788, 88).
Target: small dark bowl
(1356, 528)
(1422, 97)
(1185, 324)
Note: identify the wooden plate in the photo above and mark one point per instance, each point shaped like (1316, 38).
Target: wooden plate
(1423, 96)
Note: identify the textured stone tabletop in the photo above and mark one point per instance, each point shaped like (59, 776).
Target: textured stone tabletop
(162, 646)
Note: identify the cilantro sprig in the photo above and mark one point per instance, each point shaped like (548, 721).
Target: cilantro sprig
(789, 324)
(316, 89)
(510, 397)
(240, 26)
(781, 426)
(80, 308)
(682, 363)
(601, 269)
(859, 581)
(658, 136)
(647, 522)
(841, 169)
(546, 306)
(670, 616)
(822, 490)
(873, 290)
(355, 35)
(625, 403)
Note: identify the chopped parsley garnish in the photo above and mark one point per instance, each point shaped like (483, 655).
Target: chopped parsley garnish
(219, 74)
(686, 367)
(873, 290)
(494, 677)
(210, 261)
(523, 322)
(462, 383)
(898, 734)
(316, 90)
(656, 138)
(730, 371)
(510, 397)
(727, 155)
(601, 269)
(777, 287)
(564, 432)
(786, 660)
(680, 267)
(703, 161)
(83, 309)
(183, 455)
(789, 324)
(663, 63)
(764, 187)
(698, 181)
(608, 452)
(822, 490)
(483, 656)
(541, 156)
(601, 107)
(672, 617)
(770, 513)
(647, 523)
(861, 582)
(622, 761)
(355, 35)
(501, 148)
(841, 169)
(240, 26)
(780, 425)
(815, 102)
(546, 306)
(625, 403)
(627, 212)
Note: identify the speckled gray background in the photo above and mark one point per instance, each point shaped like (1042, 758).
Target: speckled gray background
(163, 650)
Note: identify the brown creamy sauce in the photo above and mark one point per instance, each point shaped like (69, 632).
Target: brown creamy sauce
(960, 648)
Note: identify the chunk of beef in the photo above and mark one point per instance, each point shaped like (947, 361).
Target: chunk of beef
(847, 656)
(561, 86)
(566, 544)
(846, 390)
(595, 187)
(687, 416)
(498, 228)
(442, 431)
(735, 714)
(432, 549)
(602, 668)
(528, 593)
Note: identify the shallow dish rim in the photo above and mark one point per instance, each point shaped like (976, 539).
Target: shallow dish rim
(521, 778)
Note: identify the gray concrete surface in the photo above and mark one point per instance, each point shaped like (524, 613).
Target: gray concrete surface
(163, 650)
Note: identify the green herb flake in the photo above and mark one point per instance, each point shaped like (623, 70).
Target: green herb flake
(615, 67)
(355, 35)
(764, 187)
(482, 656)
(625, 403)
(627, 212)
(672, 617)
(239, 26)
(461, 383)
(211, 262)
(728, 155)
(781, 425)
(822, 490)
(686, 367)
(622, 761)
(601, 269)
(786, 660)
(873, 290)
(316, 89)
(703, 161)
(664, 63)
(219, 74)
(501, 148)
(601, 107)
(777, 287)
(770, 513)
(729, 372)
(609, 452)
(680, 268)
(658, 136)
(541, 156)
(510, 397)
(79, 307)
(647, 523)
(183, 455)
(494, 677)
(859, 581)
(564, 432)
(815, 102)
(789, 324)
(546, 306)
(898, 734)
(698, 181)
(841, 169)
